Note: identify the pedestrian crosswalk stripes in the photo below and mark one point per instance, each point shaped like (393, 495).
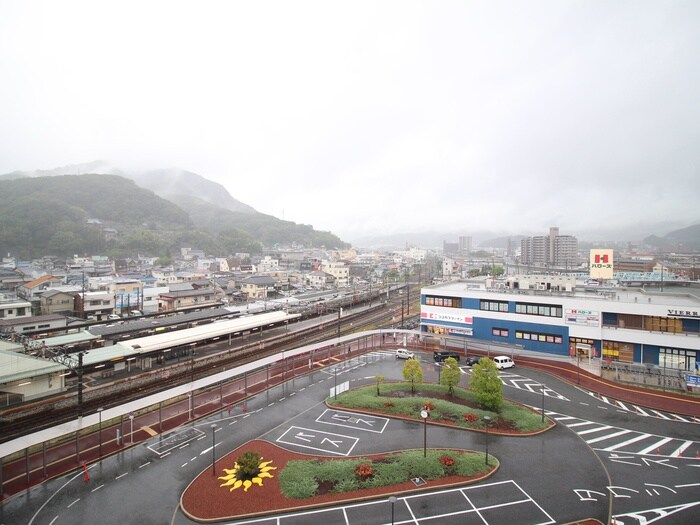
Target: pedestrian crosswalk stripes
(609, 438)
(646, 412)
(592, 430)
(679, 451)
(626, 443)
(655, 446)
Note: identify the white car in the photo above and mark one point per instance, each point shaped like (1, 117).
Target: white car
(402, 353)
(113, 317)
(503, 361)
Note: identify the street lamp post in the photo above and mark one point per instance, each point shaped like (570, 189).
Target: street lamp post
(99, 411)
(335, 382)
(424, 414)
(194, 349)
(542, 388)
(392, 500)
(578, 368)
(487, 420)
(213, 449)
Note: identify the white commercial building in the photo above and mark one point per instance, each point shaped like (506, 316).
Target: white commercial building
(626, 325)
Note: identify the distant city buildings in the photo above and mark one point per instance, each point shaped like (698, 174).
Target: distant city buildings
(550, 251)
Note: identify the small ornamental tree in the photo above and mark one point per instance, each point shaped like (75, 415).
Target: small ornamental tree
(379, 379)
(450, 374)
(248, 465)
(413, 372)
(486, 385)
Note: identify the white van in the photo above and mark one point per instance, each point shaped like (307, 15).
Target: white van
(503, 361)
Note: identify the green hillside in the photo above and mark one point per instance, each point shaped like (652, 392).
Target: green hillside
(68, 214)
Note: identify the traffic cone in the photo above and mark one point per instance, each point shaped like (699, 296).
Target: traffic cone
(86, 476)
(229, 409)
(658, 451)
(697, 455)
(245, 406)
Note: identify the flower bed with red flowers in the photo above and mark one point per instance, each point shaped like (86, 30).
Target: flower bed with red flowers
(206, 500)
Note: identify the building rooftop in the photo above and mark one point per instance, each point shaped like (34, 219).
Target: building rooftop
(672, 297)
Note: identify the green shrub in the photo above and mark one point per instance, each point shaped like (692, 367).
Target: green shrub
(346, 485)
(470, 464)
(248, 465)
(302, 488)
(301, 478)
(365, 398)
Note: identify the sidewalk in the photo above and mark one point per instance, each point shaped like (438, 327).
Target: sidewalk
(588, 376)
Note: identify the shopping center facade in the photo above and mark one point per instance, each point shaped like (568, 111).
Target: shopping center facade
(556, 316)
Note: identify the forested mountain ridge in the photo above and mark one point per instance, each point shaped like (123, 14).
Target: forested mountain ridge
(166, 183)
(49, 216)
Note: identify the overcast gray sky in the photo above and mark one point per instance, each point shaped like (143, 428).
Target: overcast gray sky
(361, 116)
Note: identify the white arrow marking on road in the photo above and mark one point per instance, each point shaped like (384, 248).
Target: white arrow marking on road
(359, 420)
(661, 462)
(341, 417)
(334, 443)
(302, 436)
(661, 486)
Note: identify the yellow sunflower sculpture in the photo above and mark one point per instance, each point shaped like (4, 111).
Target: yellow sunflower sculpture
(231, 479)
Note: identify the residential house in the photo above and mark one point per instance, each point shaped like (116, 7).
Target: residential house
(320, 279)
(32, 290)
(256, 287)
(59, 300)
(339, 271)
(15, 309)
(190, 295)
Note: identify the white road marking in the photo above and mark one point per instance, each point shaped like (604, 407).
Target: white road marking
(591, 430)
(76, 501)
(122, 475)
(97, 488)
(628, 442)
(679, 451)
(656, 445)
(145, 465)
(608, 436)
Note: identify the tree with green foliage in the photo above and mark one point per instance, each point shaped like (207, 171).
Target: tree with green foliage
(380, 380)
(486, 384)
(248, 465)
(413, 372)
(450, 374)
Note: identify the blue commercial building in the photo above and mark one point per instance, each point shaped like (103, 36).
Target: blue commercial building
(553, 315)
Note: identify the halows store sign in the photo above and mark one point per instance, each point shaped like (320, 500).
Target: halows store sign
(582, 317)
(601, 264)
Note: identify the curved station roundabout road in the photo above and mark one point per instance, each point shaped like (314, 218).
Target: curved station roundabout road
(607, 458)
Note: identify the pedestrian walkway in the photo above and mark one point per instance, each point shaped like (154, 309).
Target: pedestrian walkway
(621, 440)
(566, 369)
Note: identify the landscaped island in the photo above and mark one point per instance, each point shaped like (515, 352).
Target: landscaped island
(313, 477)
(461, 409)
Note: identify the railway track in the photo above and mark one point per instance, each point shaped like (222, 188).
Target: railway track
(61, 409)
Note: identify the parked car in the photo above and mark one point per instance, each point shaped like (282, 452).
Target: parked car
(135, 313)
(113, 317)
(503, 361)
(471, 360)
(402, 353)
(441, 355)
